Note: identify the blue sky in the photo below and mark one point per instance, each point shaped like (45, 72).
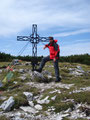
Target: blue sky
(68, 21)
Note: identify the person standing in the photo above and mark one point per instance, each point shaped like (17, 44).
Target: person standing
(54, 55)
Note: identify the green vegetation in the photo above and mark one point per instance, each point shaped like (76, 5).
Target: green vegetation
(8, 58)
(60, 103)
(83, 58)
(20, 100)
(4, 117)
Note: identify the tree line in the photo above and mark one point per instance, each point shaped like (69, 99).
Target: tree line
(83, 58)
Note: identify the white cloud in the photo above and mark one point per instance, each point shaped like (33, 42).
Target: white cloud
(17, 15)
(67, 17)
(64, 34)
(79, 48)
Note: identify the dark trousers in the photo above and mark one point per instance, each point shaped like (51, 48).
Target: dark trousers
(44, 60)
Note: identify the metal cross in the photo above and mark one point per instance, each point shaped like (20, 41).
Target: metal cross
(34, 38)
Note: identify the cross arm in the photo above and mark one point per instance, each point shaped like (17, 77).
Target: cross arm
(23, 38)
(44, 39)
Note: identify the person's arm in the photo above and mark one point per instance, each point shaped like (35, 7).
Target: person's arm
(47, 45)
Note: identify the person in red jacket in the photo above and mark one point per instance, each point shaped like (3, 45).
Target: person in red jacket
(54, 55)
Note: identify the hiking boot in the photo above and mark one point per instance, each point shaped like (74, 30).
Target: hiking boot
(58, 80)
(38, 70)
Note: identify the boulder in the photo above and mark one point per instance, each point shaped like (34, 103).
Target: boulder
(53, 98)
(18, 118)
(1, 85)
(76, 113)
(0, 71)
(30, 72)
(77, 71)
(38, 76)
(6, 106)
(38, 107)
(15, 82)
(29, 95)
(21, 71)
(58, 91)
(22, 77)
(29, 109)
(79, 67)
(31, 103)
(44, 101)
(3, 97)
(47, 73)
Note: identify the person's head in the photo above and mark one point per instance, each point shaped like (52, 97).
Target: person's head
(51, 39)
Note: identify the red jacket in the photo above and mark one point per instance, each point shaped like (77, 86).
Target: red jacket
(53, 49)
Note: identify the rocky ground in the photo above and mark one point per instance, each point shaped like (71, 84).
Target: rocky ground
(35, 96)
